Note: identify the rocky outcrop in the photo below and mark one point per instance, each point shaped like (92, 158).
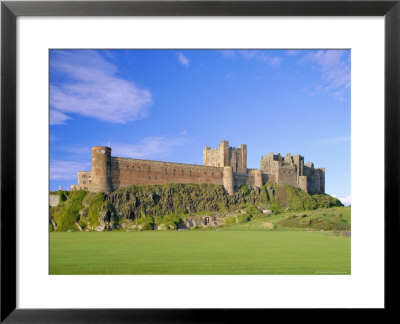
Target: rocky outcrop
(54, 199)
(121, 208)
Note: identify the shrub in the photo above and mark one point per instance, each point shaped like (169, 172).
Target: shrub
(169, 221)
(145, 222)
(230, 220)
(244, 189)
(146, 227)
(243, 218)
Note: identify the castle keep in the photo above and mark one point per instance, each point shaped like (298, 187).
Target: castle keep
(223, 165)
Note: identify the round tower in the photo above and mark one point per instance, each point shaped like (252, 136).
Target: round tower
(101, 169)
(228, 179)
(258, 179)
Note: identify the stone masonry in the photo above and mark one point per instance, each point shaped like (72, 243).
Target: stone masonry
(223, 165)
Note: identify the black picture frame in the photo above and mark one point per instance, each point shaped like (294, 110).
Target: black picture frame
(10, 10)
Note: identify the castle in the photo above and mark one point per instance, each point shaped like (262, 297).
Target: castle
(223, 165)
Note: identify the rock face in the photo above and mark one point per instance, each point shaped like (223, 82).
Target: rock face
(54, 199)
(194, 204)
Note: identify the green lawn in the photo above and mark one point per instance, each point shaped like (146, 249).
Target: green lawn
(199, 252)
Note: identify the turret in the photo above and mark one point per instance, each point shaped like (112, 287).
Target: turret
(258, 179)
(228, 179)
(101, 169)
(224, 153)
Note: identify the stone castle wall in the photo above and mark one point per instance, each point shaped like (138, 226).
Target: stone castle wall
(127, 172)
(223, 165)
(291, 170)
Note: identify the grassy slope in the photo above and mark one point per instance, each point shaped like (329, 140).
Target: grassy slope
(199, 252)
(326, 219)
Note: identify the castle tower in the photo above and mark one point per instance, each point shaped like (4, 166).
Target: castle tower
(243, 151)
(258, 179)
(101, 169)
(224, 153)
(228, 179)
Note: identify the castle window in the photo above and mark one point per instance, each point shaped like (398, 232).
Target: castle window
(86, 188)
(84, 182)
(83, 175)
(182, 171)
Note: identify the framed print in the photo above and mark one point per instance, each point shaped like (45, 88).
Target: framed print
(156, 127)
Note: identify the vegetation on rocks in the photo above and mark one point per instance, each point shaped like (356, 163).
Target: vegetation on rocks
(166, 206)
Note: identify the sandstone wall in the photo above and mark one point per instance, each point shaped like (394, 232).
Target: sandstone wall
(287, 176)
(127, 172)
(315, 178)
(242, 179)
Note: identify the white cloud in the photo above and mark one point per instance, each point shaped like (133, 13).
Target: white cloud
(66, 170)
(148, 148)
(345, 200)
(257, 55)
(57, 118)
(93, 89)
(260, 56)
(335, 71)
(183, 59)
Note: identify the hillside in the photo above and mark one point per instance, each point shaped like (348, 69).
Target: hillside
(167, 206)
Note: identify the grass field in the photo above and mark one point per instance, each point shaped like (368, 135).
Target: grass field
(199, 252)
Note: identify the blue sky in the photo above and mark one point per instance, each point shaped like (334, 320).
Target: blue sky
(168, 104)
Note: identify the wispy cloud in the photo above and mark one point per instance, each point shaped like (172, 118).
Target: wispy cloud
(292, 52)
(66, 170)
(257, 55)
(91, 87)
(345, 200)
(332, 140)
(147, 148)
(182, 59)
(57, 117)
(335, 71)
(227, 53)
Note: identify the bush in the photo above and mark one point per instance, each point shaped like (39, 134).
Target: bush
(145, 222)
(230, 220)
(169, 221)
(147, 227)
(244, 189)
(62, 195)
(243, 218)
(66, 215)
